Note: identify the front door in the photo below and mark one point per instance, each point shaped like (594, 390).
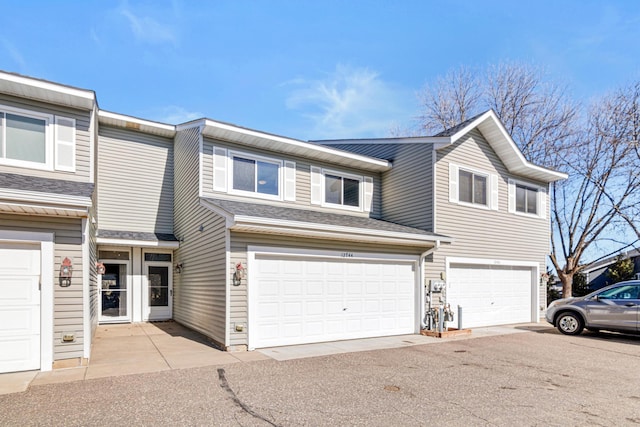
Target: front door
(114, 293)
(159, 293)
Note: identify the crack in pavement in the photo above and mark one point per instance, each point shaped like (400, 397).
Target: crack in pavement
(225, 385)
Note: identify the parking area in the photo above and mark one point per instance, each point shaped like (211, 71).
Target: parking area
(534, 377)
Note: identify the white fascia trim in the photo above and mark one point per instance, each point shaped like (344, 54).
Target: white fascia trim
(379, 163)
(137, 243)
(524, 165)
(229, 218)
(50, 86)
(47, 198)
(384, 141)
(80, 213)
(125, 121)
(323, 229)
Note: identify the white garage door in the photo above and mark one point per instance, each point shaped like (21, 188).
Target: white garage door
(490, 295)
(19, 307)
(297, 301)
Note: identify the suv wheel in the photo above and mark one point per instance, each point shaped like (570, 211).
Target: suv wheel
(569, 323)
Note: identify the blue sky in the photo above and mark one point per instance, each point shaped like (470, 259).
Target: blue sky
(308, 70)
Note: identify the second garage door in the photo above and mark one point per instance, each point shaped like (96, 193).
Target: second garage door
(490, 295)
(19, 307)
(295, 300)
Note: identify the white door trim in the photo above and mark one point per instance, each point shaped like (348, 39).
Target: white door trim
(252, 251)
(129, 276)
(45, 240)
(534, 266)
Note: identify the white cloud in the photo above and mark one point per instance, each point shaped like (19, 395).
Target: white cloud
(173, 114)
(147, 29)
(350, 103)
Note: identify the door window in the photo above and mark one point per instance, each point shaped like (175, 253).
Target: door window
(158, 286)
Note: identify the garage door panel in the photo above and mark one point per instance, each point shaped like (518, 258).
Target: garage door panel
(491, 295)
(19, 307)
(337, 299)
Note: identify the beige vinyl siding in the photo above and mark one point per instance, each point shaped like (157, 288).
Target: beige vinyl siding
(93, 280)
(241, 241)
(483, 233)
(303, 179)
(135, 181)
(200, 298)
(83, 139)
(68, 301)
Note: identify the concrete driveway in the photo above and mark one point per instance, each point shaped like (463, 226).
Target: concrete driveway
(136, 348)
(537, 377)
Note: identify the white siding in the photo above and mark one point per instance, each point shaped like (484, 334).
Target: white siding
(135, 181)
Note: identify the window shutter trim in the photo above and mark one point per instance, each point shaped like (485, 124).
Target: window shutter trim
(316, 186)
(512, 196)
(290, 181)
(368, 193)
(65, 144)
(542, 203)
(494, 192)
(219, 169)
(453, 183)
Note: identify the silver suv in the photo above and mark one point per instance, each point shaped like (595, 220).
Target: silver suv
(613, 308)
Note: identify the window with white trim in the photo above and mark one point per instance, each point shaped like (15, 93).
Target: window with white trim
(341, 190)
(35, 140)
(252, 175)
(473, 187)
(527, 199)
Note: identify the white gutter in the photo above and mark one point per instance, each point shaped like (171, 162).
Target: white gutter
(423, 283)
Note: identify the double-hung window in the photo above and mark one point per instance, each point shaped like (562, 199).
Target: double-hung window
(36, 140)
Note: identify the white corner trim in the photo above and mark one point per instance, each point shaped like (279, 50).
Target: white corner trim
(86, 289)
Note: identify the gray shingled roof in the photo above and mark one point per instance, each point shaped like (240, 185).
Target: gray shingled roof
(310, 216)
(134, 235)
(455, 129)
(45, 185)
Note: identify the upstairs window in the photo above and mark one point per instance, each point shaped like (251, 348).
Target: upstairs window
(473, 187)
(35, 140)
(256, 176)
(245, 174)
(335, 189)
(341, 190)
(527, 199)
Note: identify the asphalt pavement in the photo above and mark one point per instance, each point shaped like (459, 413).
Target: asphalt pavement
(533, 378)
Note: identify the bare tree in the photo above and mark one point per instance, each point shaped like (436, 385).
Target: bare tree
(454, 98)
(599, 150)
(597, 201)
(538, 115)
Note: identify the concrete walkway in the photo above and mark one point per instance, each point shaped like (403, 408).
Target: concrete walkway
(136, 348)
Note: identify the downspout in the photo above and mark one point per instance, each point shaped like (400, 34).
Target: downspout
(423, 283)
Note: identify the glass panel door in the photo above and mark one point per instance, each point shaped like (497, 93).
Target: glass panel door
(114, 293)
(159, 291)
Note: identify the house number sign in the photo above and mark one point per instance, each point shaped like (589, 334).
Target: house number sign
(346, 254)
